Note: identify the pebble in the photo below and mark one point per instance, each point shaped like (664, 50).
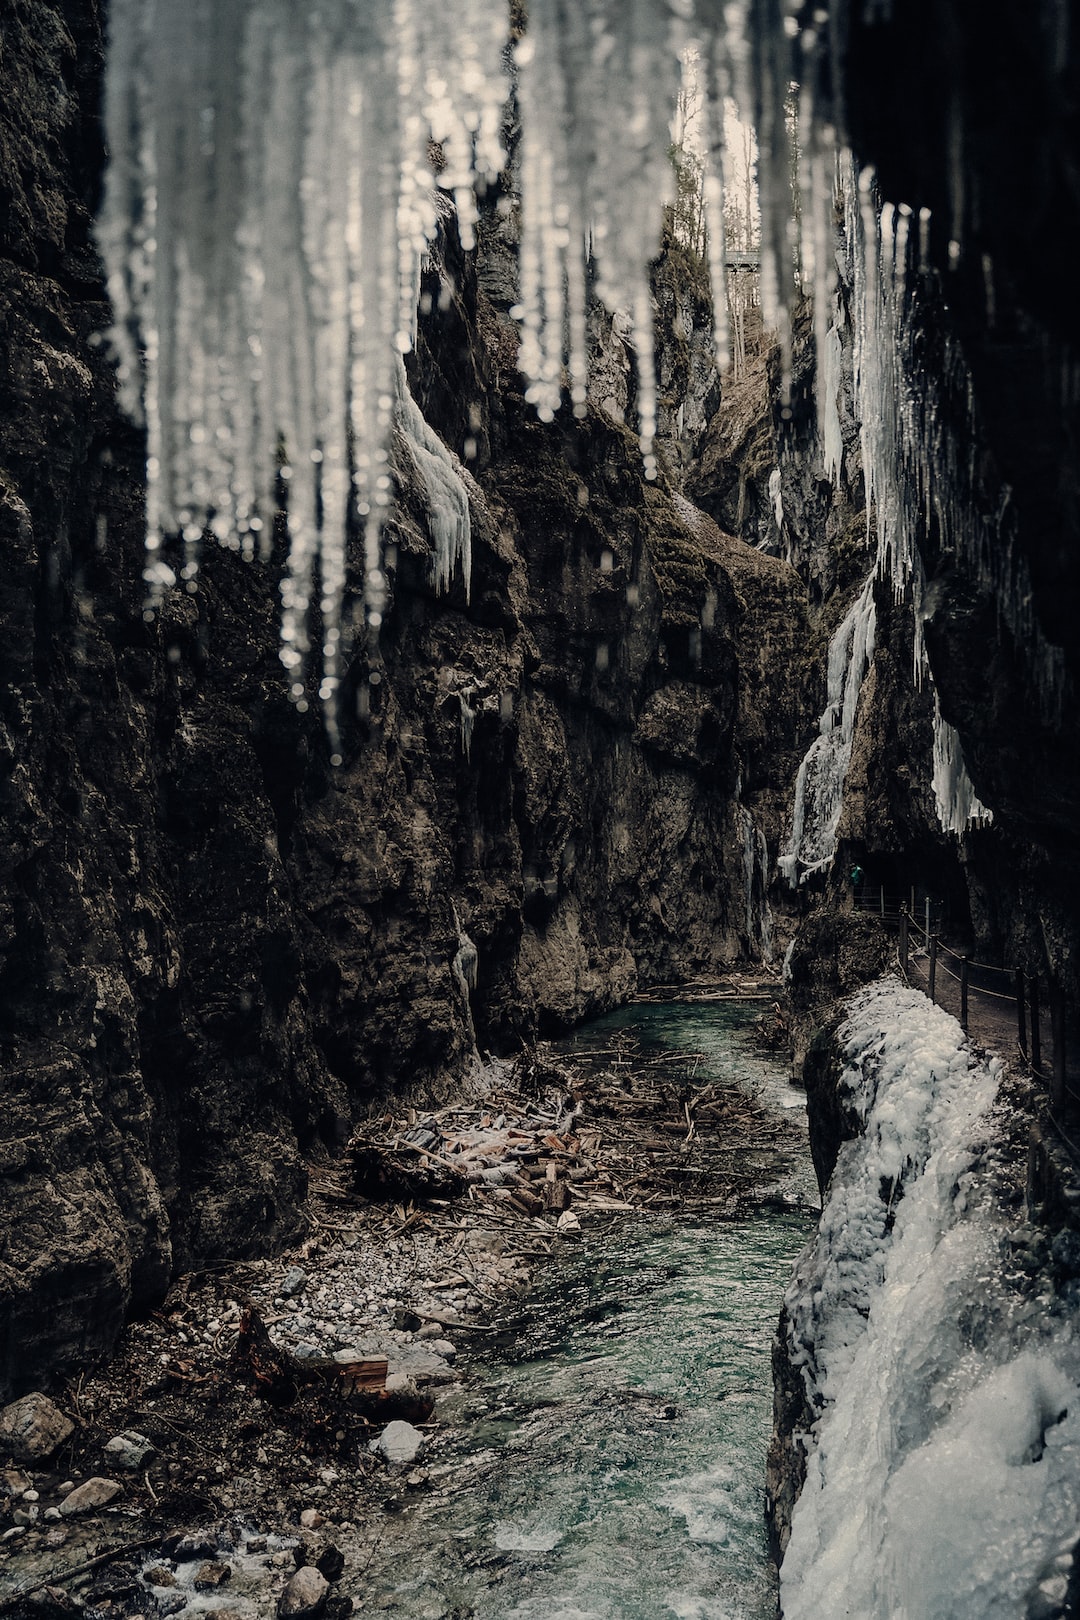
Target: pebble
(158, 1575)
(33, 1428)
(295, 1280)
(16, 1530)
(312, 1519)
(305, 1596)
(443, 1347)
(52, 1515)
(85, 1498)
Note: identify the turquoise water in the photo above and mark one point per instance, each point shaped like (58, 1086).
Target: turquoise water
(610, 1461)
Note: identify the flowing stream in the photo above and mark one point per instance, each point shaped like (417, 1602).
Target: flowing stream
(610, 1458)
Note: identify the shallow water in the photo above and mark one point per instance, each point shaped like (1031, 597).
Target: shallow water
(610, 1462)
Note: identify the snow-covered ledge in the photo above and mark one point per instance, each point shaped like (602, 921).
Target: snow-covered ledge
(943, 1463)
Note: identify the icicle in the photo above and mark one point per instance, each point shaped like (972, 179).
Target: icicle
(444, 492)
(819, 786)
(958, 807)
(268, 196)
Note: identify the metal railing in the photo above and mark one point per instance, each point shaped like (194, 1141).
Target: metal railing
(918, 922)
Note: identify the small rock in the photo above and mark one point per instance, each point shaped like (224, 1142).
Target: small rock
(407, 1320)
(158, 1575)
(295, 1280)
(568, 1224)
(211, 1575)
(129, 1450)
(15, 1531)
(305, 1596)
(56, 1538)
(400, 1443)
(443, 1347)
(31, 1496)
(257, 1544)
(85, 1498)
(65, 1486)
(311, 1519)
(430, 1330)
(52, 1515)
(13, 1482)
(26, 1515)
(33, 1428)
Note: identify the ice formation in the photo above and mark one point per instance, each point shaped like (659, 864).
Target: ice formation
(444, 492)
(943, 1473)
(755, 859)
(819, 786)
(958, 806)
(268, 196)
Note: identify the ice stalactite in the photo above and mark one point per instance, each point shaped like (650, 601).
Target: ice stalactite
(920, 433)
(819, 786)
(942, 1470)
(271, 188)
(268, 196)
(958, 806)
(445, 495)
(828, 380)
(755, 860)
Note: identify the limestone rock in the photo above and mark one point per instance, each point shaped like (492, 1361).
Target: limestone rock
(93, 1493)
(33, 1428)
(400, 1443)
(305, 1596)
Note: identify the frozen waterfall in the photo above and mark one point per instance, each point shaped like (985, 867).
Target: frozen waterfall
(943, 1473)
(819, 786)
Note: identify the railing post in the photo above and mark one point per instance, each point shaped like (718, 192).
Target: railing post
(1021, 1031)
(1033, 1019)
(904, 941)
(926, 930)
(882, 895)
(1057, 1025)
(933, 965)
(964, 968)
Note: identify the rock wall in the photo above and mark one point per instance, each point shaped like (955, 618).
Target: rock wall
(215, 950)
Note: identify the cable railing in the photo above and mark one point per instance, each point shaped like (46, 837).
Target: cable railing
(1036, 1007)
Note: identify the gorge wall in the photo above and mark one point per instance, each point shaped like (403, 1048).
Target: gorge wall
(217, 950)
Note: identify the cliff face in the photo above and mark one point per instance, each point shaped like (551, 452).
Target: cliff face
(215, 949)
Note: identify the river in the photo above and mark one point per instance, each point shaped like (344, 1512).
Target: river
(609, 1462)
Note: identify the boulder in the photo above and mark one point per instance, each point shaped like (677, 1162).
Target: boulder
(305, 1596)
(33, 1428)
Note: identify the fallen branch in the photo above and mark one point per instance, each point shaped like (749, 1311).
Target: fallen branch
(12, 1598)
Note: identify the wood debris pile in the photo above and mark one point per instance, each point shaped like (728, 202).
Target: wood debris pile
(615, 1131)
